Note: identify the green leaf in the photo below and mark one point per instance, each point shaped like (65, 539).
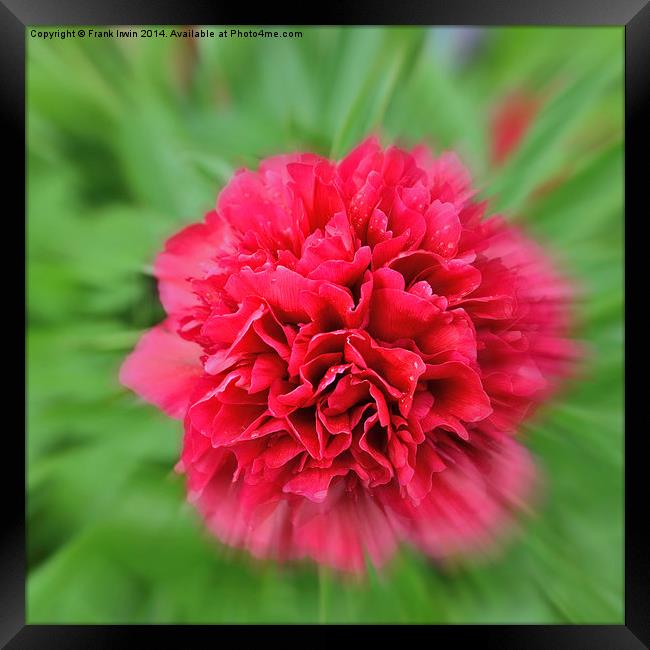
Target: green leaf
(585, 204)
(541, 149)
(372, 64)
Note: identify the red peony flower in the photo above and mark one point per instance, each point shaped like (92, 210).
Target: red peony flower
(352, 348)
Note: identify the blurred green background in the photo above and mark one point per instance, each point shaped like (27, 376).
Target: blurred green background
(130, 139)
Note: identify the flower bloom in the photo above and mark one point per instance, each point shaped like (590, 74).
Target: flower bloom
(352, 348)
(510, 122)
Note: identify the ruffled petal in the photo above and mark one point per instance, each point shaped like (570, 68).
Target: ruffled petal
(188, 254)
(163, 369)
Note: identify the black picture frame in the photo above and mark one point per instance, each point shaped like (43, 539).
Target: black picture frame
(633, 15)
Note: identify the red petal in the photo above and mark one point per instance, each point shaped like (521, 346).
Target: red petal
(185, 256)
(280, 287)
(163, 369)
(457, 390)
(397, 314)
